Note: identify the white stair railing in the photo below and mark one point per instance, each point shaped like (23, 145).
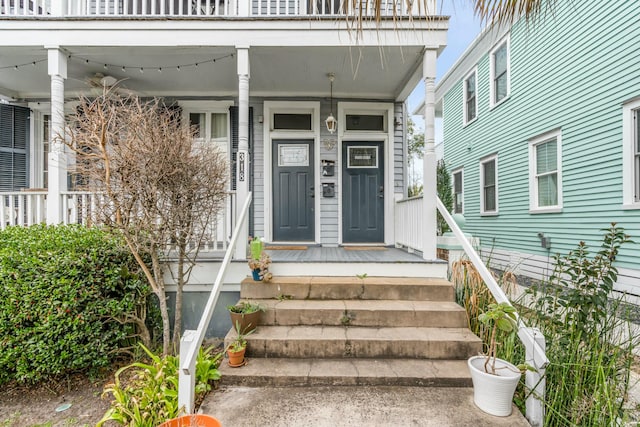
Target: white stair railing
(531, 338)
(192, 340)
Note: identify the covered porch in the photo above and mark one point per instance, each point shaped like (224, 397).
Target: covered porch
(374, 74)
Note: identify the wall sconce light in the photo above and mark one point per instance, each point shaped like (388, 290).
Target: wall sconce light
(331, 122)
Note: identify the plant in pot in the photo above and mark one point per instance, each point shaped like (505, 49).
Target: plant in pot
(259, 261)
(245, 315)
(237, 348)
(495, 380)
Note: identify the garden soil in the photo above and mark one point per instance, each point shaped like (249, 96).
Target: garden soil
(31, 406)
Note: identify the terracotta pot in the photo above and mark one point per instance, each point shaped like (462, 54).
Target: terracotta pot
(246, 321)
(236, 358)
(195, 420)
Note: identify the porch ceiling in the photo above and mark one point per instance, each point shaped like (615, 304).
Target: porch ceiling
(361, 72)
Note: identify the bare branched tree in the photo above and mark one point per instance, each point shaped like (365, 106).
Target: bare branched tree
(153, 182)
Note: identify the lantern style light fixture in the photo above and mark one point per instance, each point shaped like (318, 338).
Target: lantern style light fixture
(331, 122)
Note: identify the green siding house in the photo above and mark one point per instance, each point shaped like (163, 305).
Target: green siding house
(541, 127)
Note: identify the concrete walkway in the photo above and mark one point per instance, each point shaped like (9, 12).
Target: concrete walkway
(350, 406)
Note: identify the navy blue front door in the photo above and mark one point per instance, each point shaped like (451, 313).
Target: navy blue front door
(363, 192)
(293, 198)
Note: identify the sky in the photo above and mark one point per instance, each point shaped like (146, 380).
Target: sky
(463, 29)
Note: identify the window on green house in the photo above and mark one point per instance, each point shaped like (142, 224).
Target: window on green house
(546, 178)
(636, 157)
(500, 72)
(489, 185)
(457, 192)
(470, 98)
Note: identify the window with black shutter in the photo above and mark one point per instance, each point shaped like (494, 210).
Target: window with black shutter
(14, 148)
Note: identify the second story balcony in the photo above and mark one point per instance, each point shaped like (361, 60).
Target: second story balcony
(196, 9)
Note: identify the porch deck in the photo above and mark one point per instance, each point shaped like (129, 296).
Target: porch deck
(343, 254)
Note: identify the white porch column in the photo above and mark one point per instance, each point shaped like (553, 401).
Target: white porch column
(58, 7)
(56, 156)
(242, 171)
(429, 160)
(244, 7)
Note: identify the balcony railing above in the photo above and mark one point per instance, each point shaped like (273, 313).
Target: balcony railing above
(211, 8)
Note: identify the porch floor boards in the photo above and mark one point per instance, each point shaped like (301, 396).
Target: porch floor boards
(340, 254)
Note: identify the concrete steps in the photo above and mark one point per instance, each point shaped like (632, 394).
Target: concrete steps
(375, 313)
(355, 331)
(287, 372)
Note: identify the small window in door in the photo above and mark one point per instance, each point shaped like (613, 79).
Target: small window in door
(368, 122)
(282, 121)
(362, 157)
(293, 155)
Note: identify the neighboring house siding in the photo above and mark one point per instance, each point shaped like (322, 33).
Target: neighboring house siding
(570, 71)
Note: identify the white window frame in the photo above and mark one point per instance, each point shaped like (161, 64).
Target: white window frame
(534, 206)
(492, 97)
(208, 108)
(483, 161)
(465, 121)
(630, 194)
(453, 180)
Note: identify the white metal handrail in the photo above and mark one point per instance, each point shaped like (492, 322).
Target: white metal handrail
(531, 338)
(192, 340)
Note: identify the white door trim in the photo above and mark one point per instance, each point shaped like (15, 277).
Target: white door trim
(386, 137)
(269, 135)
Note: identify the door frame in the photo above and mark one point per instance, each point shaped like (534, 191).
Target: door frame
(271, 107)
(386, 137)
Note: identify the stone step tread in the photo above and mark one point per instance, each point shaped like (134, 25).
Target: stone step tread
(362, 313)
(354, 280)
(354, 333)
(369, 288)
(369, 305)
(344, 372)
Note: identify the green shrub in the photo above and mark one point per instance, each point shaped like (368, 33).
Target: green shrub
(67, 296)
(146, 394)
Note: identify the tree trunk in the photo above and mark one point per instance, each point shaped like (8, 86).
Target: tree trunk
(162, 300)
(177, 325)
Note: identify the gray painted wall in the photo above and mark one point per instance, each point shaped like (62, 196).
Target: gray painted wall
(328, 206)
(193, 306)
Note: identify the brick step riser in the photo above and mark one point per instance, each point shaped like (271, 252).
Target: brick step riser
(323, 291)
(391, 318)
(361, 349)
(292, 381)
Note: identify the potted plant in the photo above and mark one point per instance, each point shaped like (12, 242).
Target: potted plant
(237, 348)
(495, 380)
(192, 420)
(245, 315)
(260, 268)
(259, 261)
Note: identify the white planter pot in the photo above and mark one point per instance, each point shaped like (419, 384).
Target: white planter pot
(494, 393)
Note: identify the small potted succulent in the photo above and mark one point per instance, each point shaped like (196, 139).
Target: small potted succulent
(495, 380)
(245, 315)
(237, 348)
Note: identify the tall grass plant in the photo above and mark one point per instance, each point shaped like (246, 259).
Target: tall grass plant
(589, 341)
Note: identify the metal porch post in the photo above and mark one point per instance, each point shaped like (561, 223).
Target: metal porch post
(242, 171)
(57, 65)
(429, 239)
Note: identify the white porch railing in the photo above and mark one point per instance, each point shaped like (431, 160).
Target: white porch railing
(408, 214)
(209, 8)
(26, 208)
(192, 340)
(409, 225)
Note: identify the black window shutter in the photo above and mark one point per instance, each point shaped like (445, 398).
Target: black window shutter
(14, 148)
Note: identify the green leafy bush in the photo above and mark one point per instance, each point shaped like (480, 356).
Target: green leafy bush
(68, 295)
(146, 394)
